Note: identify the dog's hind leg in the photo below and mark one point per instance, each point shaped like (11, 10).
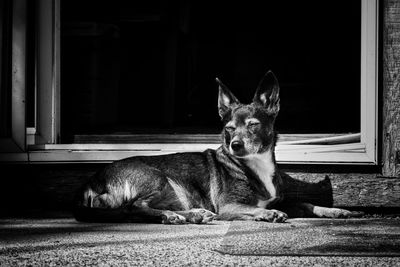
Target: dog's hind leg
(194, 215)
(197, 215)
(164, 206)
(154, 215)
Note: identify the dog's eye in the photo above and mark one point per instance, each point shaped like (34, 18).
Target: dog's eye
(254, 124)
(230, 128)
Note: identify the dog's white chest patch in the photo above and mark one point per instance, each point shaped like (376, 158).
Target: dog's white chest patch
(264, 167)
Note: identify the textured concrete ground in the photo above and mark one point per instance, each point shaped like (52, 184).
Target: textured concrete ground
(48, 242)
(314, 237)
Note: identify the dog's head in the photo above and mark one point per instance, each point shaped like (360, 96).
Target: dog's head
(249, 129)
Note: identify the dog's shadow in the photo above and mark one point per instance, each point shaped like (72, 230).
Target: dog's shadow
(299, 191)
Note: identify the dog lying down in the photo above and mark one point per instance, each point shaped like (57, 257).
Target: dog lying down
(238, 181)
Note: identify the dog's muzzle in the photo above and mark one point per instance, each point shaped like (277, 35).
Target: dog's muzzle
(237, 146)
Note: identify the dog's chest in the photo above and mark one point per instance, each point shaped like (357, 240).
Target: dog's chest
(263, 166)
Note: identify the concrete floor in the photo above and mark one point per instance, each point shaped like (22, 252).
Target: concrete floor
(63, 241)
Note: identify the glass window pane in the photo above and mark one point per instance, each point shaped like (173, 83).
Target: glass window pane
(149, 66)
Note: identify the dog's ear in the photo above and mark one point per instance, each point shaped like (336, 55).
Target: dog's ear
(267, 93)
(225, 99)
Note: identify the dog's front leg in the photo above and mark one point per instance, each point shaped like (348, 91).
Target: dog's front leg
(238, 211)
(324, 212)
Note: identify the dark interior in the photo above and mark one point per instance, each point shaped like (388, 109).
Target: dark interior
(149, 66)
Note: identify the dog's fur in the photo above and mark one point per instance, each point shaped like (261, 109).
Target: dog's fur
(238, 181)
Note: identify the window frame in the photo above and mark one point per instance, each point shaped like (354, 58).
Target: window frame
(12, 148)
(46, 148)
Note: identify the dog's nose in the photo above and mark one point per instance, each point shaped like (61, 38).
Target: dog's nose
(237, 145)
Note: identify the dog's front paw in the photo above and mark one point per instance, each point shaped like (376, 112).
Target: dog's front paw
(199, 216)
(271, 216)
(170, 217)
(336, 213)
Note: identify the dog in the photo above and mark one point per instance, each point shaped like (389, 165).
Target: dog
(238, 181)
